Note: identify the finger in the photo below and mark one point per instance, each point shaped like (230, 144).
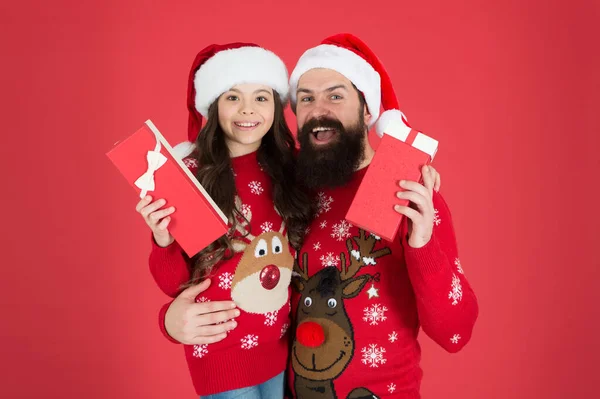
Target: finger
(153, 207)
(213, 307)
(416, 187)
(204, 340)
(422, 203)
(428, 180)
(161, 213)
(162, 226)
(436, 178)
(410, 213)
(205, 319)
(142, 203)
(216, 329)
(193, 291)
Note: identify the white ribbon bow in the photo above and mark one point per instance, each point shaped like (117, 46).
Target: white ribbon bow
(155, 160)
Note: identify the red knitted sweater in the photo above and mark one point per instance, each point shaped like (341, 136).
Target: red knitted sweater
(257, 278)
(361, 301)
(359, 304)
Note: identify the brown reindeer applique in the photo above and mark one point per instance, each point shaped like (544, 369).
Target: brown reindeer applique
(263, 275)
(323, 345)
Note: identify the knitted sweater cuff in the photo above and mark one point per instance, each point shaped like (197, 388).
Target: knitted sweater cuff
(164, 254)
(427, 261)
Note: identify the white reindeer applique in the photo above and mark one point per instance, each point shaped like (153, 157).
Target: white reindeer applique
(263, 275)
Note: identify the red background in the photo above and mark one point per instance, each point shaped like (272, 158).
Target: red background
(509, 89)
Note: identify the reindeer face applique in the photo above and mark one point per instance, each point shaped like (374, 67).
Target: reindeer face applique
(324, 331)
(263, 275)
(324, 341)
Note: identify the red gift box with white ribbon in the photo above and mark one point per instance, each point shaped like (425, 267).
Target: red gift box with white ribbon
(148, 163)
(401, 155)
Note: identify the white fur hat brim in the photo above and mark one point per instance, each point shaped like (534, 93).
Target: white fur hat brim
(183, 149)
(236, 66)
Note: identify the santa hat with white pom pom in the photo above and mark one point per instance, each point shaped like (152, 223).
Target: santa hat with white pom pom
(219, 67)
(351, 57)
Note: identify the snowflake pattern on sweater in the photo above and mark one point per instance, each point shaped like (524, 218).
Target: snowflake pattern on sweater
(362, 270)
(363, 291)
(256, 278)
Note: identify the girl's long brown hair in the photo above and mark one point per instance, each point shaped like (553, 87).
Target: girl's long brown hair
(275, 154)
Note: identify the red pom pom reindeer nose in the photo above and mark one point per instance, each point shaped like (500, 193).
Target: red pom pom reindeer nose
(269, 277)
(310, 334)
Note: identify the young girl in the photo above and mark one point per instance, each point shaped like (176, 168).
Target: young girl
(243, 158)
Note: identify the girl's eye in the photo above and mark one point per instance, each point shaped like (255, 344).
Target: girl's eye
(261, 99)
(232, 98)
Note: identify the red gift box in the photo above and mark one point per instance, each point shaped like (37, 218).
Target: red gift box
(401, 154)
(148, 163)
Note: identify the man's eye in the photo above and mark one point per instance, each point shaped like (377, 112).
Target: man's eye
(336, 97)
(306, 99)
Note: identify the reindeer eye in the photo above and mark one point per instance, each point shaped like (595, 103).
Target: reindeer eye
(332, 303)
(261, 249)
(277, 247)
(307, 301)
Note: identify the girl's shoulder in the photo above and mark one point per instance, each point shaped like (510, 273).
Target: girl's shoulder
(192, 163)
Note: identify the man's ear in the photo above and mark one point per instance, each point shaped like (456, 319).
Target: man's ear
(367, 115)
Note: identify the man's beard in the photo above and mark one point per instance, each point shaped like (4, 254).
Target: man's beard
(332, 164)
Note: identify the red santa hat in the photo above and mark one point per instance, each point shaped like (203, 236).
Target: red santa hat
(219, 67)
(351, 57)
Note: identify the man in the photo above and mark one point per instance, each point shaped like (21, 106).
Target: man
(359, 301)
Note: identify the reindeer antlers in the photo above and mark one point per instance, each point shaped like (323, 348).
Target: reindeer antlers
(364, 256)
(302, 272)
(282, 228)
(240, 226)
(244, 217)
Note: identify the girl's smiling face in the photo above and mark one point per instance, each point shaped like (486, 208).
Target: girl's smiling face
(246, 113)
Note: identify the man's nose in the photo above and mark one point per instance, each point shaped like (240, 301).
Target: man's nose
(318, 110)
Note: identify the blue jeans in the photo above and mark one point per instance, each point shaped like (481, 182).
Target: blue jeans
(271, 389)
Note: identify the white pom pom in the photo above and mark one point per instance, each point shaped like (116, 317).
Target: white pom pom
(183, 149)
(386, 118)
